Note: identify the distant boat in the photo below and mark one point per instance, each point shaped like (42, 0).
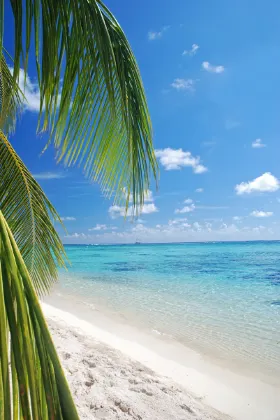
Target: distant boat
(137, 242)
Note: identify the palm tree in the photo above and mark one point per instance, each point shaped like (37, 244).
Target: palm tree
(93, 107)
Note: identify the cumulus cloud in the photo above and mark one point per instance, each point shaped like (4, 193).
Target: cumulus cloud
(260, 213)
(258, 144)
(192, 51)
(154, 35)
(186, 209)
(118, 211)
(264, 183)
(188, 201)
(184, 84)
(212, 69)
(68, 219)
(49, 175)
(199, 190)
(175, 159)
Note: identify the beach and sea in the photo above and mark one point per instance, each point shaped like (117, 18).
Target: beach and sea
(170, 331)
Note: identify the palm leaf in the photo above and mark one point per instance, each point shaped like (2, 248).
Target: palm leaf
(28, 212)
(10, 97)
(32, 382)
(92, 97)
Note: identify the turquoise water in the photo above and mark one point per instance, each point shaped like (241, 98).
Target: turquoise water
(220, 298)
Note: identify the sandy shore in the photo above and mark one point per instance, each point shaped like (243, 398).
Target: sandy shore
(106, 384)
(126, 375)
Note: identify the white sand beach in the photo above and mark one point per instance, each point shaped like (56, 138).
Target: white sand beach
(116, 376)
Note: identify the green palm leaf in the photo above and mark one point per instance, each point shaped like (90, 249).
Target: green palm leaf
(10, 97)
(32, 382)
(92, 97)
(94, 107)
(27, 211)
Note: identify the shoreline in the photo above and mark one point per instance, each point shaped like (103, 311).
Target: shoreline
(237, 396)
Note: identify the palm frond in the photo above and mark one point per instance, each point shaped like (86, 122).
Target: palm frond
(29, 214)
(10, 97)
(32, 382)
(92, 97)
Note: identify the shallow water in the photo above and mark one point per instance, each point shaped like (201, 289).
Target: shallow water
(220, 298)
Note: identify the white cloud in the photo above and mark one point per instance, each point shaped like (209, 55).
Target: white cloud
(177, 221)
(258, 144)
(197, 226)
(259, 229)
(225, 228)
(237, 218)
(153, 35)
(199, 190)
(260, 213)
(208, 226)
(140, 228)
(68, 219)
(186, 209)
(184, 84)
(264, 183)
(174, 159)
(192, 51)
(76, 236)
(148, 196)
(212, 69)
(149, 208)
(118, 211)
(99, 227)
(188, 201)
(49, 175)
(179, 230)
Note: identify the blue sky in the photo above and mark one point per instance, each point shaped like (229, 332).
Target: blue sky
(211, 71)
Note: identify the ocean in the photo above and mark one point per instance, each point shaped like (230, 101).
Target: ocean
(222, 299)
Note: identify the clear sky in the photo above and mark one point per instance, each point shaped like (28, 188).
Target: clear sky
(211, 71)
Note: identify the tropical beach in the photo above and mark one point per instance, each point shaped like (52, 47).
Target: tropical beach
(118, 373)
(139, 210)
(154, 333)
